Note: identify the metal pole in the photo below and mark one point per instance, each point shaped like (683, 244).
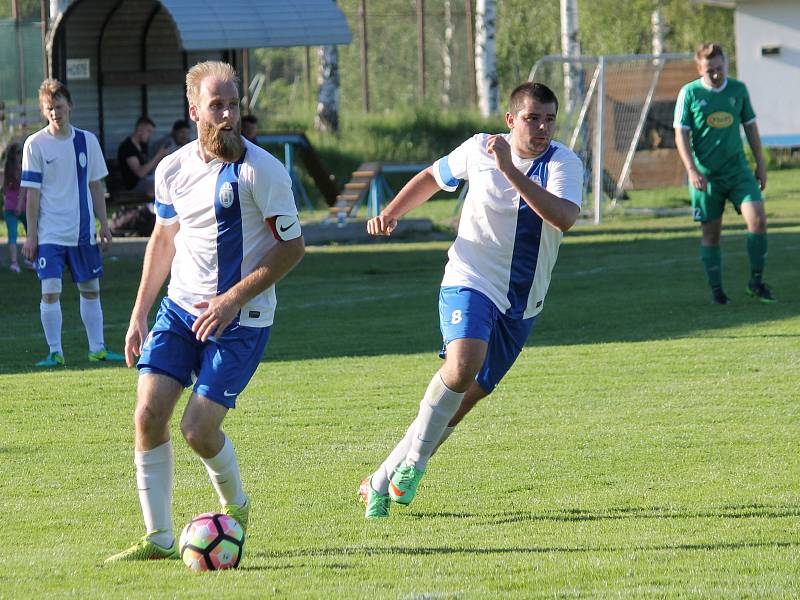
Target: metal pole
(364, 59)
(307, 73)
(599, 134)
(246, 80)
(473, 85)
(20, 51)
(421, 47)
(43, 14)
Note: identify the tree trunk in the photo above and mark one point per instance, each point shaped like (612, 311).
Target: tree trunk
(447, 47)
(486, 58)
(327, 118)
(659, 29)
(571, 47)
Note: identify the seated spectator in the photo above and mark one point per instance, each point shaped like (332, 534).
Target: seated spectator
(250, 128)
(137, 170)
(180, 135)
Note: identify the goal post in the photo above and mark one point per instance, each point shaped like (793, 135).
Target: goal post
(616, 114)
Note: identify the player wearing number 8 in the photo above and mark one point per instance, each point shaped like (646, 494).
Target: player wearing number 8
(524, 192)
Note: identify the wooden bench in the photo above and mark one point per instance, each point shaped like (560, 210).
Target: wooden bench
(116, 194)
(121, 201)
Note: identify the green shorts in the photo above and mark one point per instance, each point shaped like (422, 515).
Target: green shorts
(737, 185)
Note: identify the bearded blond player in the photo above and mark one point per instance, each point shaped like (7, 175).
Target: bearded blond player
(227, 229)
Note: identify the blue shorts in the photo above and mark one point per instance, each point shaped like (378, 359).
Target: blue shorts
(467, 313)
(84, 261)
(219, 367)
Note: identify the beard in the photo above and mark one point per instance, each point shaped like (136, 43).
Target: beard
(225, 145)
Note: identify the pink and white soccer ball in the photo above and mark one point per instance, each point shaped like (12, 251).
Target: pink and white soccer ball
(212, 542)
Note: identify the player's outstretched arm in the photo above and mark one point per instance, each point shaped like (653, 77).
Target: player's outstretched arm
(754, 139)
(221, 310)
(33, 196)
(420, 189)
(560, 213)
(97, 191)
(684, 151)
(157, 264)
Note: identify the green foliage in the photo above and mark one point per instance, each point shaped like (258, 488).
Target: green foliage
(28, 9)
(646, 452)
(415, 134)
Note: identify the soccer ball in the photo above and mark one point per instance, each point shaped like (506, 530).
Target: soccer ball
(212, 541)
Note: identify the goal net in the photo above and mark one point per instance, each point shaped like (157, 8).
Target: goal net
(615, 112)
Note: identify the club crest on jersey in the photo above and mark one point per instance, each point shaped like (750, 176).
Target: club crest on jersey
(226, 195)
(82, 160)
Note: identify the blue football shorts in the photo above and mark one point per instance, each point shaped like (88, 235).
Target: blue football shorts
(220, 367)
(84, 261)
(467, 313)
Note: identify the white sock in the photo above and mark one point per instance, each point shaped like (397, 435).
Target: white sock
(380, 478)
(92, 316)
(51, 323)
(446, 434)
(154, 482)
(438, 406)
(224, 473)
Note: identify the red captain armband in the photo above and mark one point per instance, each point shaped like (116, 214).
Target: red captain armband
(285, 227)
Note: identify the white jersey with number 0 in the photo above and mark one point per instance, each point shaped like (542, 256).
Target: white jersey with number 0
(503, 248)
(221, 208)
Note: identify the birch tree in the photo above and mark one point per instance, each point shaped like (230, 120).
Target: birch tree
(327, 118)
(571, 48)
(486, 58)
(447, 47)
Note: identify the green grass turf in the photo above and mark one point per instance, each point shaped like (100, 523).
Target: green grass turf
(644, 445)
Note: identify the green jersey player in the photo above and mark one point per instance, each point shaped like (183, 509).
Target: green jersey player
(708, 114)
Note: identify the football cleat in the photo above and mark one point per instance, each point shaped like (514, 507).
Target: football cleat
(718, 296)
(377, 505)
(403, 485)
(54, 359)
(144, 549)
(761, 292)
(240, 513)
(105, 355)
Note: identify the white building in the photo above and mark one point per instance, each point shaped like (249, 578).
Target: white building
(768, 61)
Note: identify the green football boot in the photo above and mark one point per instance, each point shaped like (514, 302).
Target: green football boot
(377, 506)
(240, 513)
(105, 355)
(403, 485)
(54, 359)
(144, 549)
(761, 292)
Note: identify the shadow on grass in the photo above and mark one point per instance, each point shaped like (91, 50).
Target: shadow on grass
(382, 299)
(756, 511)
(479, 550)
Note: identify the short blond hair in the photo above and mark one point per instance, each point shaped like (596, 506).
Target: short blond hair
(50, 89)
(708, 51)
(210, 68)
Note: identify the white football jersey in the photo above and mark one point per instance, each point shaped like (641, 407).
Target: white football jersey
(221, 208)
(61, 170)
(503, 248)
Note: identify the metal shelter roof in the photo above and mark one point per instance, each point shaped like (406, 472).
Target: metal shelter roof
(211, 24)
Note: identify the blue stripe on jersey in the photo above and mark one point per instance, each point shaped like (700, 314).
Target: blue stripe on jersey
(229, 227)
(86, 229)
(165, 211)
(32, 176)
(446, 174)
(526, 244)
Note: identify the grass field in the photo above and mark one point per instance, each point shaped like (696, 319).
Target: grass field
(644, 445)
